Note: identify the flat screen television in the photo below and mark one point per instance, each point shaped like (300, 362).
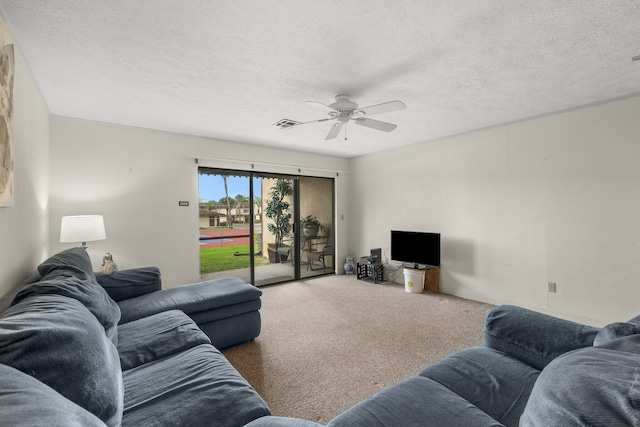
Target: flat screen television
(414, 247)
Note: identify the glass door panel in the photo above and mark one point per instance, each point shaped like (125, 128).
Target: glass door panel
(275, 230)
(225, 225)
(316, 235)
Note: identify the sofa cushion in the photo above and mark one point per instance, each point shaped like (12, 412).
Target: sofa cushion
(534, 338)
(25, 401)
(74, 259)
(635, 320)
(125, 284)
(157, 336)
(595, 386)
(69, 273)
(220, 313)
(271, 421)
(192, 298)
(414, 402)
(614, 331)
(492, 381)
(58, 341)
(195, 387)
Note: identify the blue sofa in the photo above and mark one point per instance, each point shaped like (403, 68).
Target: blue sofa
(70, 355)
(533, 370)
(227, 310)
(75, 353)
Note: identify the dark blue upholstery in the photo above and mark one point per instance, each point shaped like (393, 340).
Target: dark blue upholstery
(59, 364)
(415, 402)
(192, 298)
(57, 340)
(31, 403)
(62, 330)
(594, 386)
(157, 336)
(196, 387)
(492, 381)
(615, 331)
(69, 273)
(271, 421)
(589, 377)
(227, 310)
(534, 338)
(125, 284)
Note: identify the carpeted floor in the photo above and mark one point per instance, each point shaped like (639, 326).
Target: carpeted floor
(328, 343)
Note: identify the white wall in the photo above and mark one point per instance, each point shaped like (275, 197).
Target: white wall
(551, 199)
(24, 229)
(135, 178)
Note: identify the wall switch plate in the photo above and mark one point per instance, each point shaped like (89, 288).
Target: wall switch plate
(551, 287)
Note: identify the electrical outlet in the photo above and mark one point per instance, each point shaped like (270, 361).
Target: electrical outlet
(551, 287)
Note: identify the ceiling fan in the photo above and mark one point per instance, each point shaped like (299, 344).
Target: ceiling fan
(345, 110)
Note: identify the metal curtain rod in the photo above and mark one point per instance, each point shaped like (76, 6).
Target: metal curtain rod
(252, 163)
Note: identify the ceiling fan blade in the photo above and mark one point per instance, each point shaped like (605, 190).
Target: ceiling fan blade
(320, 105)
(334, 131)
(385, 107)
(375, 124)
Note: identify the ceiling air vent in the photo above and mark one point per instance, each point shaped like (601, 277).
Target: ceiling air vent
(286, 123)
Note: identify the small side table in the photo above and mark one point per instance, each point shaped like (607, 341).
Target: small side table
(432, 279)
(371, 271)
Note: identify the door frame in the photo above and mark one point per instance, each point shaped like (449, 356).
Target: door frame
(251, 175)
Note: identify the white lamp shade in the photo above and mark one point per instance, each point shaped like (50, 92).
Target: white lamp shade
(82, 228)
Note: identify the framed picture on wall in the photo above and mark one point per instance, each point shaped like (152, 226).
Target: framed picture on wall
(6, 117)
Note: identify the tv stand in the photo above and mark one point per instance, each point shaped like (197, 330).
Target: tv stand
(431, 279)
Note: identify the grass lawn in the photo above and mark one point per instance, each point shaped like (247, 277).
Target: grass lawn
(223, 259)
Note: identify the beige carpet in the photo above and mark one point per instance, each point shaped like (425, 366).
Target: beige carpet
(328, 343)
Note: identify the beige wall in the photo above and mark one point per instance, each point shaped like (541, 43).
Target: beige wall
(316, 199)
(551, 199)
(24, 232)
(135, 178)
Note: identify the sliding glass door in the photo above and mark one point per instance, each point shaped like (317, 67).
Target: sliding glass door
(264, 228)
(225, 224)
(277, 230)
(316, 235)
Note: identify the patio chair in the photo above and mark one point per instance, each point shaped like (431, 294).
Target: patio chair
(320, 255)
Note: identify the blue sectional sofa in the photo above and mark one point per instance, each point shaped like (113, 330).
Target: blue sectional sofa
(70, 355)
(80, 349)
(533, 370)
(227, 310)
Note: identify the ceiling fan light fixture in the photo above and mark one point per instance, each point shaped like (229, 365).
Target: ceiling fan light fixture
(344, 110)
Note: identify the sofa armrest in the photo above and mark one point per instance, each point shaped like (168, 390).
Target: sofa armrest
(125, 284)
(534, 338)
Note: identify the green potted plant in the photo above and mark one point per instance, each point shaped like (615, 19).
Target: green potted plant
(277, 210)
(310, 226)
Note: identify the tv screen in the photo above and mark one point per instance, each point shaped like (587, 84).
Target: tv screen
(415, 247)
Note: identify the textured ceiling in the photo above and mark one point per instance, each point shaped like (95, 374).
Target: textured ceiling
(230, 69)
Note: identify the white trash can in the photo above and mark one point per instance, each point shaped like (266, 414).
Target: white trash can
(413, 280)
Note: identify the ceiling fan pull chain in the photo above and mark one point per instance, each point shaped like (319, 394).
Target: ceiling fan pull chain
(345, 132)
